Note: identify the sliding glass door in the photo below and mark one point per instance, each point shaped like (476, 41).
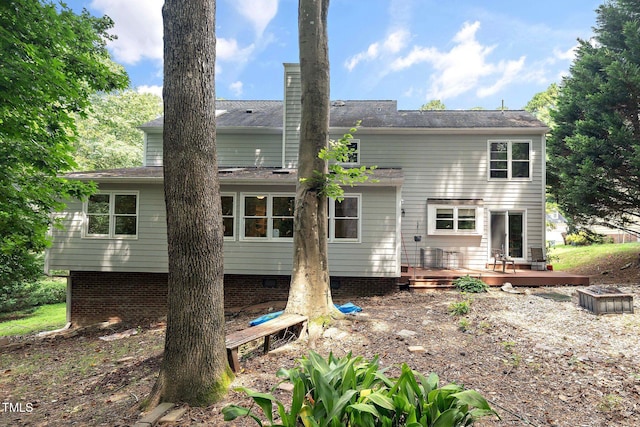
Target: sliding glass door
(507, 233)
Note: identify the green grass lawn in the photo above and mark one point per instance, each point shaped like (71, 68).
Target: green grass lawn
(43, 318)
(575, 256)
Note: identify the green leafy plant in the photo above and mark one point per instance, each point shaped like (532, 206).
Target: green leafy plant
(29, 295)
(470, 284)
(513, 361)
(351, 391)
(464, 324)
(609, 403)
(583, 238)
(484, 325)
(338, 154)
(508, 345)
(460, 308)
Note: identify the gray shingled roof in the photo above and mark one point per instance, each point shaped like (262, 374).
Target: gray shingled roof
(373, 114)
(270, 176)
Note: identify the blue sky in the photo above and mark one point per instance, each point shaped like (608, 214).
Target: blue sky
(467, 53)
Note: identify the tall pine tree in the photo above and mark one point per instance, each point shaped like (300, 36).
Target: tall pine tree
(594, 149)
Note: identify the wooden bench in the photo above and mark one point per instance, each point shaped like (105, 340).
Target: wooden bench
(281, 323)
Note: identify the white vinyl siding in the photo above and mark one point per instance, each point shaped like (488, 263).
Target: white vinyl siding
(153, 149)
(233, 149)
(445, 166)
(146, 253)
(375, 254)
(251, 150)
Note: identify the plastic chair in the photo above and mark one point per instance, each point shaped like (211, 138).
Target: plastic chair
(500, 256)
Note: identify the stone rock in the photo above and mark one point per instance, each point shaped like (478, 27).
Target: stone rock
(508, 287)
(288, 387)
(119, 335)
(335, 333)
(406, 333)
(173, 416)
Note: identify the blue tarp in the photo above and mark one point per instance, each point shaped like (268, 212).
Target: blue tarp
(264, 318)
(347, 308)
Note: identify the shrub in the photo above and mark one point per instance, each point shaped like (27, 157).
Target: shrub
(584, 238)
(351, 391)
(49, 291)
(470, 284)
(28, 295)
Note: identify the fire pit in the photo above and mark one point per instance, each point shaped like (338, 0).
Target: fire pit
(605, 300)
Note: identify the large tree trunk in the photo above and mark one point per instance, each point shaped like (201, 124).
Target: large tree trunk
(194, 368)
(310, 293)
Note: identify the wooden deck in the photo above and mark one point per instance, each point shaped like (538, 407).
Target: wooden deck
(443, 278)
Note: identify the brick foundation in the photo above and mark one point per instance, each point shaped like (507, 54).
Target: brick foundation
(101, 296)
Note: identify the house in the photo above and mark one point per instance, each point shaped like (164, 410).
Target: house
(556, 228)
(465, 182)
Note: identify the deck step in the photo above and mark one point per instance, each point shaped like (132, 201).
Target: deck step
(415, 285)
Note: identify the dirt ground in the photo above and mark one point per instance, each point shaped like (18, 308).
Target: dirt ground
(539, 360)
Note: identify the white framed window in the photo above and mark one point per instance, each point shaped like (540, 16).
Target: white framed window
(111, 215)
(228, 215)
(344, 219)
(454, 219)
(509, 159)
(267, 216)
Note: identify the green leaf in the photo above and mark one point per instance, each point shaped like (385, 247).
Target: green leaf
(446, 418)
(381, 400)
(52, 60)
(338, 408)
(473, 399)
(232, 412)
(263, 400)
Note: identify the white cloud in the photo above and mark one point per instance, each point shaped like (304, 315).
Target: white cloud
(511, 70)
(463, 67)
(392, 44)
(236, 88)
(458, 70)
(154, 89)
(369, 54)
(259, 13)
(228, 50)
(396, 41)
(416, 56)
(568, 55)
(138, 25)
